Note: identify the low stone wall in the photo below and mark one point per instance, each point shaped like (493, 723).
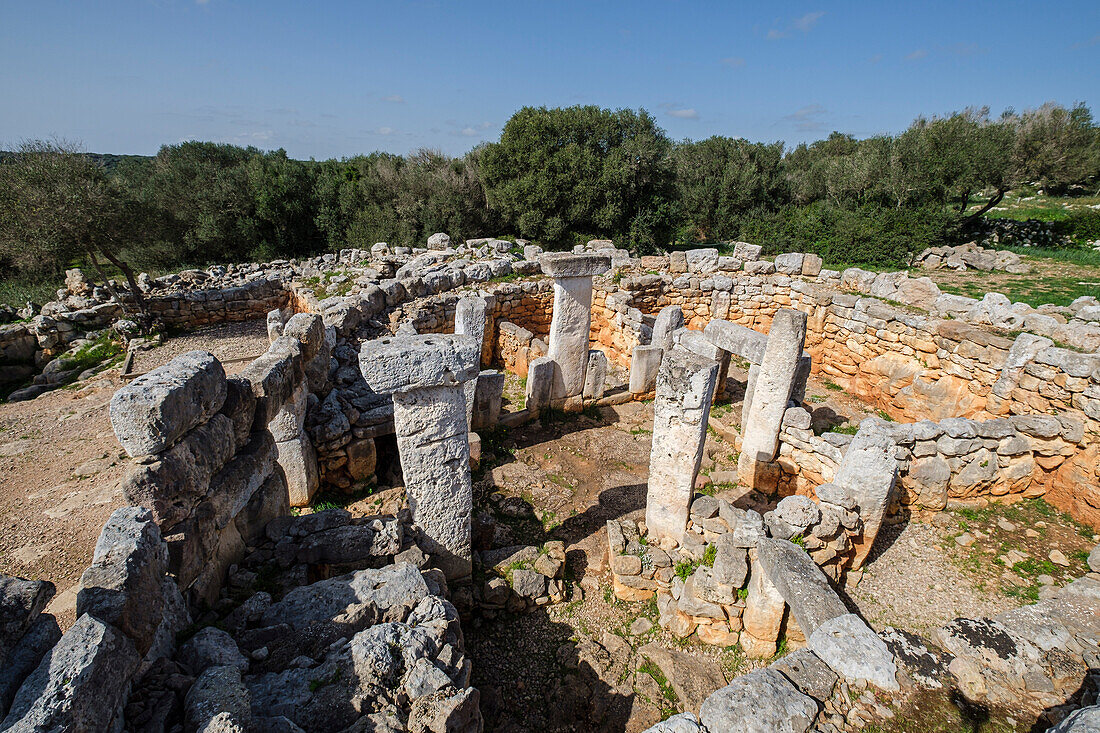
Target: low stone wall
(912, 365)
(198, 308)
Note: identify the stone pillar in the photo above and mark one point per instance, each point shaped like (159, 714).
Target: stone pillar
(595, 375)
(669, 320)
(645, 361)
(697, 343)
(572, 320)
(425, 375)
(680, 412)
(771, 392)
(470, 315)
(763, 616)
(868, 474)
(540, 383)
(487, 399)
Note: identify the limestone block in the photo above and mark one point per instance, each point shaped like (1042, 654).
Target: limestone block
(595, 375)
(855, 652)
(175, 481)
(702, 260)
(407, 363)
(232, 487)
(762, 701)
(800, 582)
(540, 383)
(746, 252)
(122, 586)
(868, 474)
(737, 339)
(240, 408)
(685, 384)
(269, 501)
(432, 441)
(274, 377)
(487, 399)
(645, 361)
(669, 320)
(771, 392)
(81, 683)
(763, 616)
(789, 263)
(155, 410)
(567, 265)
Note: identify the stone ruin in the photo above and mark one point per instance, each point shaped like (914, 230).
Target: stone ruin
(210, 604)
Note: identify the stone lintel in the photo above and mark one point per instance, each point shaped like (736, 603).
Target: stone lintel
(407, 363)
(566, 264)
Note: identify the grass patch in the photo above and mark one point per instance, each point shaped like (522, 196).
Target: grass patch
(685, 569)
(830, 384)
(102, 349)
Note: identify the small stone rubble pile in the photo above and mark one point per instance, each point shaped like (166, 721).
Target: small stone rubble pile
(971, 256)
(522, 578)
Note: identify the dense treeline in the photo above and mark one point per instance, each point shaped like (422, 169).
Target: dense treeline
(556, 176)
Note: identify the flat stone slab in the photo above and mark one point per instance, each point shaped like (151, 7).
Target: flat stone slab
(737, 339)
(566, 264)
(407, 363)
(157, 409)
(801, 583)
(854, 651)
(763, 701)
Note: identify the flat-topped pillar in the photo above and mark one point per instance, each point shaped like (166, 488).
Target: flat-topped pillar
(426, 376)
(681, 408)
(772, 390)
(572, 320)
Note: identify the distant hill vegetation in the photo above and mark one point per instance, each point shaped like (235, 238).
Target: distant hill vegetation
(556, 176)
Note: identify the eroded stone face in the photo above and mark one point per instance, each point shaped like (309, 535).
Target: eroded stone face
(685, 384)
(567, 265)
(407, 363)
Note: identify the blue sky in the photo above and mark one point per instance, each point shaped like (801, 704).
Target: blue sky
(332, 79)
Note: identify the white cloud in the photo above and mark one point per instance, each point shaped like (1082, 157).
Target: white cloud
(395, 98)
(808, 21)
(385, 131)
(802, 24)
(734, 62)
(684, 114)
(917, 55)
(468, 132)
(808, 118)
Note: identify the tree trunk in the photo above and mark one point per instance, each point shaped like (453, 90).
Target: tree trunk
(965, 202)
(106, 280)
(139, 298)
(989, 205)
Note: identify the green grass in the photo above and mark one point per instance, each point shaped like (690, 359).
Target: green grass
(1034, 291)
(671, 700)
(709, 555)
(16, 291)
(102, 349)
(685, 568)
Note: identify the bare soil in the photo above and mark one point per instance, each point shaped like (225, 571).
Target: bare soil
(60, 465)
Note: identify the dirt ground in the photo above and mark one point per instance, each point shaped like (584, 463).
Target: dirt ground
(60, 465)
(575, 665)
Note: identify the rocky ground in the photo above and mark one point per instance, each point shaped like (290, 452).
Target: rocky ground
(594, 662)
(60, 465)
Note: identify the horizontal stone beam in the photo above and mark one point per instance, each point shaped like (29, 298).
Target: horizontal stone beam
(565, 264)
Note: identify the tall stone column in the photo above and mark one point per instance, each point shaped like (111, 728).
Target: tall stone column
(771, 392)
(425, 374)
(681, 409)
(572, 320)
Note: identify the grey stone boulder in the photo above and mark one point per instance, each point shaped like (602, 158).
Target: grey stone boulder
(122, 586)
(528, 584)
(218, 701)
(442, 712)
(80, 685)
(1094, 559)
(762, 701)
(21, 601)
(681, 723)
(808, 673)
(22, 659)
(424, 678)
(801, 583)
(1085, 720)
(211, 647)
(855, 652)
(365, 596)
(156, 409)
(799, 512)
